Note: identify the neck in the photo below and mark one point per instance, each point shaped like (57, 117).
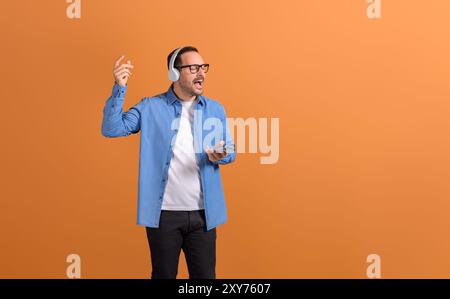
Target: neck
(182, 95)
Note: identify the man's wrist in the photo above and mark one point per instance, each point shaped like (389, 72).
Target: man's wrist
(119, 91)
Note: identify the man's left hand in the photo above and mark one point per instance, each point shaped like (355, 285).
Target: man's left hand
(217, 153)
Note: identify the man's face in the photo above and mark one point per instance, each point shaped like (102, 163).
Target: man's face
(191, 84)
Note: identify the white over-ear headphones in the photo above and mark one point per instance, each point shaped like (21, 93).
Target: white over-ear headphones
(174, 74)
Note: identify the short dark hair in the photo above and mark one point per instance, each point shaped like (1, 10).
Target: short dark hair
(178, 59)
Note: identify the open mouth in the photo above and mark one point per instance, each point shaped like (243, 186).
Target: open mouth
(198, 83)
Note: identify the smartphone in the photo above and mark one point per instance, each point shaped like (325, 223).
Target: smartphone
(227, 149)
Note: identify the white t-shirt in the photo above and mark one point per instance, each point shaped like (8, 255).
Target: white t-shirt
(183, 188)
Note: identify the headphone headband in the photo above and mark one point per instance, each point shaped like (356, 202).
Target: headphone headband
(174, 56)
(174, 74)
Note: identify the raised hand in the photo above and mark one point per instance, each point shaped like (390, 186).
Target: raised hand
(122, 72)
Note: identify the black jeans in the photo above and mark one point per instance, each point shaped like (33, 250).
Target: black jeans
(182, 230)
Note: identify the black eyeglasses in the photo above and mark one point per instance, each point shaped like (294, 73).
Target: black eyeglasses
(194, 68)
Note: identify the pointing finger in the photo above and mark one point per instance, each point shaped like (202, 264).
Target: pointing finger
(116, 64)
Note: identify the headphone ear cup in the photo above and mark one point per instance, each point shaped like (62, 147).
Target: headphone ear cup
(174, 75)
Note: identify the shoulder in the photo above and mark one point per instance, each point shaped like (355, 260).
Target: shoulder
(153, 100)
(161, 97)
(213, 105)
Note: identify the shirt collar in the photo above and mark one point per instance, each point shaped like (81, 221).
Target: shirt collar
(172, 97)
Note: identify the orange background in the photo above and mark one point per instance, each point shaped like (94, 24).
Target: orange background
(364, 134)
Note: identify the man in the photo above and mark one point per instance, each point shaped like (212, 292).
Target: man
(184, 139)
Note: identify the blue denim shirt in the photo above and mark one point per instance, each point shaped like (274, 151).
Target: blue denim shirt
(157, 118)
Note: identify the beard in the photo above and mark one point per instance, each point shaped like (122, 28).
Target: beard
(189, 88)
